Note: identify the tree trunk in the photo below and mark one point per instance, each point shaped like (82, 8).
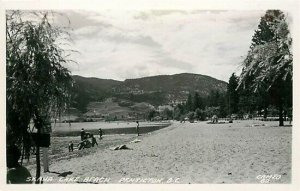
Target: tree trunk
(38, 165)
(265, 113)
(23, 152)
(23, 143)
(281, 115)
(284, 115)
(38, 161)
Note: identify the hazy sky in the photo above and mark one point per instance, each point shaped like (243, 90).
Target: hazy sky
(122, 44)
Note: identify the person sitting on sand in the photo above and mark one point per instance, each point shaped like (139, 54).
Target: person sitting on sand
(84, 144)
(16, 174)
(82, 134)
(94, 141)
(71, 146)
(81, 145)
(138, 128)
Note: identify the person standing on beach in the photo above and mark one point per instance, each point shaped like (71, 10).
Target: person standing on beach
(214, 119)
(71, 146)
(82, 134)
(16, 174)
(100, 133)
(137, 128)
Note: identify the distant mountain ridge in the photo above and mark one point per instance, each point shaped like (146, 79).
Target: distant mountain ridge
(177, 82)
(156, 90)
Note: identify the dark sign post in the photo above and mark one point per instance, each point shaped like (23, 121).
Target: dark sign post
(41, 140)
(45, 159)
(45, 146)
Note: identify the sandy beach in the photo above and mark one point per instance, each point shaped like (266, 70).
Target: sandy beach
(240, 152)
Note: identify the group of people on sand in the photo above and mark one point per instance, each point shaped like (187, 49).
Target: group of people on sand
(87, 140)
(18, 174)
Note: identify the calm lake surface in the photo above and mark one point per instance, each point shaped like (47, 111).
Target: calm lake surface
(64, 129)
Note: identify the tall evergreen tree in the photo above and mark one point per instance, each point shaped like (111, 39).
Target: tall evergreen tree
(189, 103)
(269, 63)
(198, 102)
(214, 98)
(233, 95)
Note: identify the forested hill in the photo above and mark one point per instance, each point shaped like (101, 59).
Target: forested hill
(156, 90)
(184, 82)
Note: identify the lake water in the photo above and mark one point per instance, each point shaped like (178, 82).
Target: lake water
(64, 129)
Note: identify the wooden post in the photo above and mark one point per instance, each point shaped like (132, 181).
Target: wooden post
(45, 159)
(38, 162)
(38, 165)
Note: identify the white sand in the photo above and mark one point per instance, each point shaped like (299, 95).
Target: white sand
(194, 153)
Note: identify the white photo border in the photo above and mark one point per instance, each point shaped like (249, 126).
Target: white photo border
(292, 6)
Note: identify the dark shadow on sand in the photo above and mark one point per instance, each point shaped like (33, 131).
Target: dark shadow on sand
(64, 174)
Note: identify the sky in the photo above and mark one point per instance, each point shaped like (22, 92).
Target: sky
(126, 44)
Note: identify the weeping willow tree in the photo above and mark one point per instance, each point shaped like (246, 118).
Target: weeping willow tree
(268, 67)
(37, 83)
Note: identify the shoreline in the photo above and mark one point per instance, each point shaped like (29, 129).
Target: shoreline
(112, 131)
